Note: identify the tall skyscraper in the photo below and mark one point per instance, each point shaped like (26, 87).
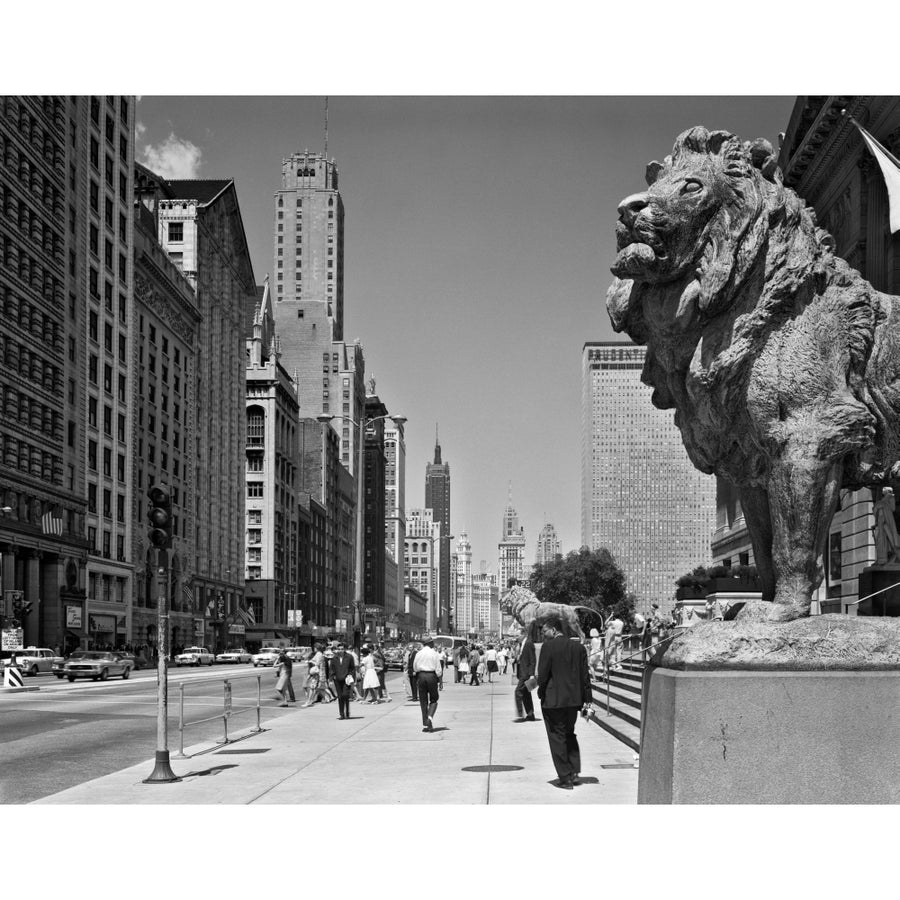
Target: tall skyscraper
(641, 496)
(437, 498)
(548, 545)
(511, 549)
(422, 559)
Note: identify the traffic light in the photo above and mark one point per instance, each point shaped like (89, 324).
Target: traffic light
(160, 517)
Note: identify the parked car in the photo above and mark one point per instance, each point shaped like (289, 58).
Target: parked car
(138, 661)
(300, 654)
(194, 656)
(96, 665)
(31, 660)
(236, 655)
(266, 657)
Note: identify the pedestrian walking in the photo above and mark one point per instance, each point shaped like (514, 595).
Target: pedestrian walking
(355, 693)
(503, 659)
(564, 687)
(445, 656)
(490, 663)
(524, 674)
(427, 666)
(343, 670)
(474, 663)
(284, 668)
(315, 670)
(595, 653)
(411, 673)
(381, 671)
(369, 676)
(462, 667)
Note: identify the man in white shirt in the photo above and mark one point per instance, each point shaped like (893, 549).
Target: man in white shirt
(427, 666)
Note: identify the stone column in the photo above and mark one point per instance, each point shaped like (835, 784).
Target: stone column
(32, 623)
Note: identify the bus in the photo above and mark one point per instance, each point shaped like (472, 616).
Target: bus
(448, 642)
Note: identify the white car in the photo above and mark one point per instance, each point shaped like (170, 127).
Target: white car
(195, 656)
(32, 660)
(266, 657)
(238, 655)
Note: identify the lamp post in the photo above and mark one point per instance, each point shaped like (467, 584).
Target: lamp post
(326, 418)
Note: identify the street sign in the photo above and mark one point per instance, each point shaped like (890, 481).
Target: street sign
(13, 639)
(294, 618)
(227, 700)
(237, 629)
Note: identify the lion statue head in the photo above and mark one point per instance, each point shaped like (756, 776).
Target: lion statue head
(689, 244)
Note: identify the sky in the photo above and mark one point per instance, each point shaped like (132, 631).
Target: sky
(479, 233)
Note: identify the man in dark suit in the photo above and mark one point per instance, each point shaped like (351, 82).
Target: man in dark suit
(524, 671)
(342, 665)
(411, 674)
(564, 687)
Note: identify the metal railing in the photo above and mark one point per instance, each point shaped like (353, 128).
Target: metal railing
(227, 709)
(644, 653)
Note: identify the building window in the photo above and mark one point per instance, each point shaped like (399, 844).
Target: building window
(176, 231)
(254, 489)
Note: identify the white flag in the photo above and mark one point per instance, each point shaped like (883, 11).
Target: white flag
(890, 169)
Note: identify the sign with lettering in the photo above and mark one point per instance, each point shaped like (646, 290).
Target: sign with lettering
(227, 700)
(73, 617)
(294, 618)
(237, 629)
(12, 639)
(198, 628)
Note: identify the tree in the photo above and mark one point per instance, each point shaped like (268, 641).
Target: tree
(586, 578)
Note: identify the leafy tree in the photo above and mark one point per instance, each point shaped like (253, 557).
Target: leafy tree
(586, 578)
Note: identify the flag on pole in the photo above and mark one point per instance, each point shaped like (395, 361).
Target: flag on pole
(188, 594)
(246, 615)
(890, 169)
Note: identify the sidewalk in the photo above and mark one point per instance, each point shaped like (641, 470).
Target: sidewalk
(381, 755)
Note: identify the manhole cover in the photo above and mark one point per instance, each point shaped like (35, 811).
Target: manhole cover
(255, 750)
(618, 766)
(492, 768)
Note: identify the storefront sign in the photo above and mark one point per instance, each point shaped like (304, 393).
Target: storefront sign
(227, 700)
(237, 629)
(198, 627)
(102, 624)
(73, 617)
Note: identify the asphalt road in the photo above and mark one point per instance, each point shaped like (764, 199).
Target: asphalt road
(65, 734)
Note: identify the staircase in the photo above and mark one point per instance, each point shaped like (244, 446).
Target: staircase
(624, 719)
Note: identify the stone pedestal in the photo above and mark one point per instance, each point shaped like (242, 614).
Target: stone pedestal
(875, 578)
(770, 737)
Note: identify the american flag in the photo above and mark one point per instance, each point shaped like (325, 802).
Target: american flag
(247, 616)
(51, 525)
(188, 594)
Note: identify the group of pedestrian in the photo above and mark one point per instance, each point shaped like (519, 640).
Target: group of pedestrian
(332, 673)
(476, 662)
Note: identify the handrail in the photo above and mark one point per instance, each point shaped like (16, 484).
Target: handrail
(227, 710)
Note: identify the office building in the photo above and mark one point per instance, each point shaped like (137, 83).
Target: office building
(422, 560)
(548, 545)
(437, 498)
(395, 512)
(642, 498)
(200, 226)
(465, 615)
(511, 549)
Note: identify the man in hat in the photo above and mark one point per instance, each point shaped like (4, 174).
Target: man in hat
(427, 666)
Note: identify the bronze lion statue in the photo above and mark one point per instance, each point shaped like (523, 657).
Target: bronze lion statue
(781, 362)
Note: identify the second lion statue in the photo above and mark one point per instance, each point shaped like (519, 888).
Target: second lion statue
(781, 362)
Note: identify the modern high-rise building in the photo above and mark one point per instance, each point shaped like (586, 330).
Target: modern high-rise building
(548, 545)
(642, 498)
(373, 510)
(437, 498)
(511, 549)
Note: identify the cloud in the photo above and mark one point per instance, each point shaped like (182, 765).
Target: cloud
(173, 158)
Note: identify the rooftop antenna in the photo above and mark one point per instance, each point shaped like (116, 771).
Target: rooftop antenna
(326, 128)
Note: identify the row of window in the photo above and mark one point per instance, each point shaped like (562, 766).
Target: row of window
(29, 412)
(30, 459)
(30, 224)
(29, 365)
(29, 318)
(30, 271)
(30, 177)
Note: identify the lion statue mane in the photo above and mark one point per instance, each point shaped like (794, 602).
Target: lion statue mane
(781, 362)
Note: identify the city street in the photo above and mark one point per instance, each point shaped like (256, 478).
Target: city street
(65, 734)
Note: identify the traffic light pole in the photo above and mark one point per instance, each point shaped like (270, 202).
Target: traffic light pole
(160, 518)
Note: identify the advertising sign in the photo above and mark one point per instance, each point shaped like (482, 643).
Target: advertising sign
(73, 617)
(12, 639)
(198, 628)
(237, 629)
(294, 618)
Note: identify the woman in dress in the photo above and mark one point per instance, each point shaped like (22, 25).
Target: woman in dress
(315, 678)
(370, 677)
(490, 659)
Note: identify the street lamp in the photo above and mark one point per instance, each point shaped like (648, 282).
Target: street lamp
(326, 419)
